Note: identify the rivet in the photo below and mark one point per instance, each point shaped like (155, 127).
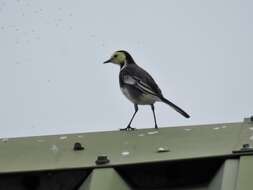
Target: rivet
(248, 119)
(78, 146)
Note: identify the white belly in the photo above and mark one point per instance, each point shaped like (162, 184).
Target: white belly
(145, 99)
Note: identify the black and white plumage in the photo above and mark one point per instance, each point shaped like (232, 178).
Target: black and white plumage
(138, 85)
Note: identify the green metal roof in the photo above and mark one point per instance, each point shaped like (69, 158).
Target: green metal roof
(123, 147)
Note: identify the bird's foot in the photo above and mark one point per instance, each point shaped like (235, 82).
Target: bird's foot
(156, 127)
(128, 128)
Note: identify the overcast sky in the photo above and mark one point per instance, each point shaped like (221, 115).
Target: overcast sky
(53, 81)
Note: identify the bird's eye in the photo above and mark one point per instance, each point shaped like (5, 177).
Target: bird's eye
(115, 56)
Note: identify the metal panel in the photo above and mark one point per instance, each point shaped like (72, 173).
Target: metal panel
(245, 175)
(225, 178)
(246, 135)
(121, 147)
(104, 179)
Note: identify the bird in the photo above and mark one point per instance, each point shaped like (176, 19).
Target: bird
(138, 86)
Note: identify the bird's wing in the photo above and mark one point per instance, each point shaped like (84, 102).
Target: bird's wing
(136, 76)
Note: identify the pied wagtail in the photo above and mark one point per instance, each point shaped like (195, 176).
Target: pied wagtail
(138, 86)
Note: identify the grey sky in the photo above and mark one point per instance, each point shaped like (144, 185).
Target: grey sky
(53, 81)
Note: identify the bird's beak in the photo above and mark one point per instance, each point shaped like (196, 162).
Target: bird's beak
(108, 61)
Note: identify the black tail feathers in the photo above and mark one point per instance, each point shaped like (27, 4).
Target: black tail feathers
(179, 110)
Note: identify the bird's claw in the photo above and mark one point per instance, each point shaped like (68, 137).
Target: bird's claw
(128, 128)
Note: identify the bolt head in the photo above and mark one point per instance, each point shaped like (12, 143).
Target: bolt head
(102, 159)
(245, 146)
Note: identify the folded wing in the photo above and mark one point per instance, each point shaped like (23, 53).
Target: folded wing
(142, 80)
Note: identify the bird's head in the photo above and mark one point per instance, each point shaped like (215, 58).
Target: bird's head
(121, 57)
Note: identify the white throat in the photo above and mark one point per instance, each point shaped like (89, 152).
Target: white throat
(124, 66)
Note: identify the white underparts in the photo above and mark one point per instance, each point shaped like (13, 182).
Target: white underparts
(145, 99)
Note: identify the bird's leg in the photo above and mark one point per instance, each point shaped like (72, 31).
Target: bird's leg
(153, 110)
(129, 124)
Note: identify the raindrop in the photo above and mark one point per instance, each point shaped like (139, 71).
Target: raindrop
(5, 140)
(54, 148)
(162, 149)
(63, 137)
(152, 132)
(125, 153)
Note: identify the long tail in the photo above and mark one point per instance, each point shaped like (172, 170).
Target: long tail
(179, 110)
